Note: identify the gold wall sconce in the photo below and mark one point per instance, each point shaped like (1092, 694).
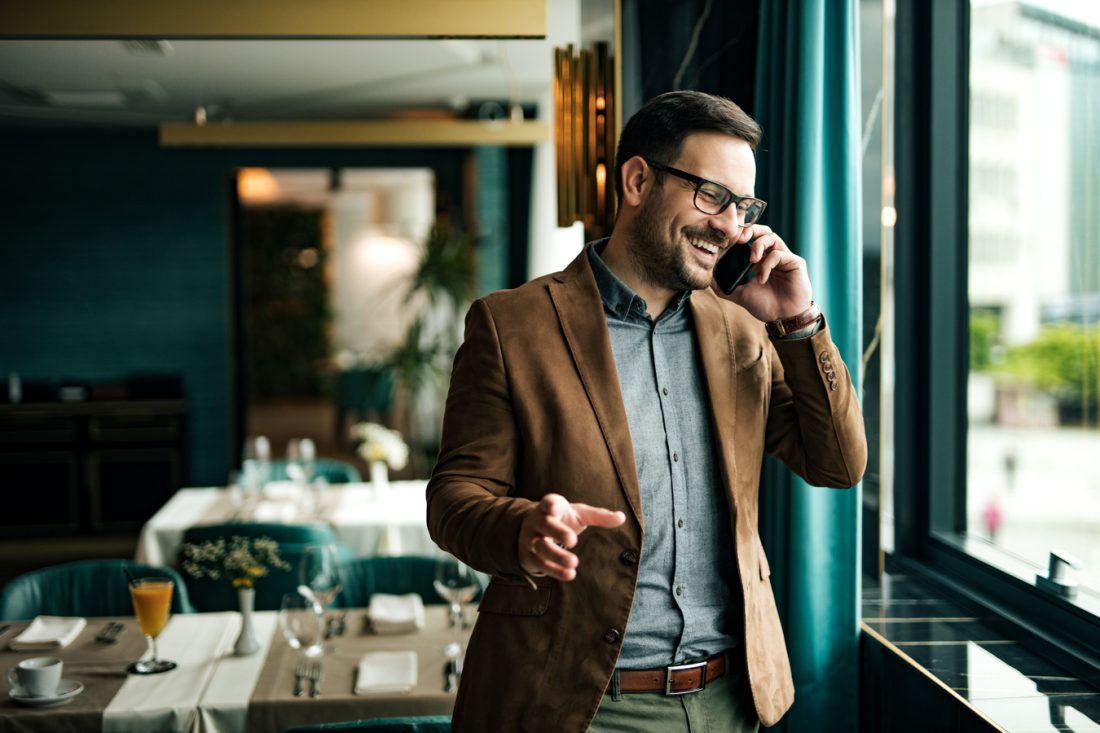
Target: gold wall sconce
(584, 137)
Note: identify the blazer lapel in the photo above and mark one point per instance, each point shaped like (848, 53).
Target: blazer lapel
(579, 307)
(714, 333)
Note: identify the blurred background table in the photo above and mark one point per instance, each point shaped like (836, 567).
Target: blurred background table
(366, 520)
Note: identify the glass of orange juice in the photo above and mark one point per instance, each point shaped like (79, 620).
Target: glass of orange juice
(152, 598)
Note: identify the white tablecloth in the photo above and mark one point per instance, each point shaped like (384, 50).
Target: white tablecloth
(391, 521)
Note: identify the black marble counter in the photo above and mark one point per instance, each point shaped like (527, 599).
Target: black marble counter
(1005, 685)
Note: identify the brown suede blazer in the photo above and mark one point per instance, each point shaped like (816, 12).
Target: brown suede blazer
(534, 407)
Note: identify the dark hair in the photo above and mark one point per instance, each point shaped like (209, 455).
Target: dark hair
(658, 129)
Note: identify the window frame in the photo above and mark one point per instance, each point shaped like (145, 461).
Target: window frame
(932, 346)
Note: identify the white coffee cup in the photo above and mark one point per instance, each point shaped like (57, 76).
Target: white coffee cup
(38, 676)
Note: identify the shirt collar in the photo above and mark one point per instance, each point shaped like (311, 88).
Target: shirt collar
(617, 296)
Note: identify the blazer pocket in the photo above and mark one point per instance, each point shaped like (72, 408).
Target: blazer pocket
(516, 598)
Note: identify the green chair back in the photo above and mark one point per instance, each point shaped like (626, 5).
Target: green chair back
(397, 574)
(220, 595)
(412, 724)
(330, 469)
(84, 588)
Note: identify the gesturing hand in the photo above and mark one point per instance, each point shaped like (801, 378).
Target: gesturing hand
(550, 530)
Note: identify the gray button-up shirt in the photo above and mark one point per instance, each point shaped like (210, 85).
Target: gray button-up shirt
(688, 597)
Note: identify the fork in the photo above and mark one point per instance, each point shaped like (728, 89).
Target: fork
(300, 674)
(315, 680)
(109, 634)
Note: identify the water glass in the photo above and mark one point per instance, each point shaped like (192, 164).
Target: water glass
(318, 574)
(302, 623)
(457, 584)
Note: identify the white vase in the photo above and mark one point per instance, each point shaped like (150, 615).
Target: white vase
(379, 475)
(246, 641)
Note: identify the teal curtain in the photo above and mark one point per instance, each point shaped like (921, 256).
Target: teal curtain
(807, 100)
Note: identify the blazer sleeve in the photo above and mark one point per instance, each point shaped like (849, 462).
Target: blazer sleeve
(473, 512)
(814, 422)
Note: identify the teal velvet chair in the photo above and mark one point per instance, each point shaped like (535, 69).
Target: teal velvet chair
(330, 469)
(85, 588)
(397, 574)
(414, 724)
(220, 595)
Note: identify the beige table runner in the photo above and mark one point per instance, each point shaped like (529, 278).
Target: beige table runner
(101, 667)
(274, 707)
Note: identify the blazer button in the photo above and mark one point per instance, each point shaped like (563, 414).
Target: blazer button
(824, 357)
(629, 557)
(611, 636)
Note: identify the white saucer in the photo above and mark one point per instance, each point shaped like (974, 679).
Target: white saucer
(66, 691)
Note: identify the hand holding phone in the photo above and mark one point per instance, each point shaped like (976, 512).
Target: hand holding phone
(733, 269)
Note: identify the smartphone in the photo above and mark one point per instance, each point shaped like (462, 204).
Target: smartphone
(734, 268)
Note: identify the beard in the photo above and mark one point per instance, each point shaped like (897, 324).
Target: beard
(663, 263)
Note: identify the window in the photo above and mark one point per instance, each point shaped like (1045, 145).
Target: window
(1032, 478)
(996, 291)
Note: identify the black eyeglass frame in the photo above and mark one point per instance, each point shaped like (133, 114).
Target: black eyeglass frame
(700, 182)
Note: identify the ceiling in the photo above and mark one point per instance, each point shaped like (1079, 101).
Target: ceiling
(144, 83)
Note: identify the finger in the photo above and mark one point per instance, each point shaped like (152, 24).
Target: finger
(592, 516)
(554, 505)
(558, 531)
(776, 258)
(549, 559)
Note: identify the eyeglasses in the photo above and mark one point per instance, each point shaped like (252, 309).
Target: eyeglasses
(713, 198)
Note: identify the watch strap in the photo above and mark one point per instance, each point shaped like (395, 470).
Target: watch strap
(784, 326)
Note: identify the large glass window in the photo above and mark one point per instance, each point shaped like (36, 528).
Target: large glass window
(1033, 283)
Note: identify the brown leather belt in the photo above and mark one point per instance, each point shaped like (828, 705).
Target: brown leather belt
(679, 679)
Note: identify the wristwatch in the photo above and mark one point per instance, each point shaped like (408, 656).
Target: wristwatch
(784, 326)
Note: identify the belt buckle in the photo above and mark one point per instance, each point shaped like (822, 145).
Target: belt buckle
(683, 667)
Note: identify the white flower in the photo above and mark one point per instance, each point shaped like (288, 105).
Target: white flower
(379, 443)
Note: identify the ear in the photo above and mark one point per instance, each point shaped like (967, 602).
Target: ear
(637, 179)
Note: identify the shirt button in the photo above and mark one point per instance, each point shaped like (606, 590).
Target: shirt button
(679, 590)
(680, 523)
(629, 557)
(675, 457)
(611, 636)
(664, 390)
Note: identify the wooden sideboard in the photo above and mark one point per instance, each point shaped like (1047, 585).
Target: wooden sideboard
(88, 467)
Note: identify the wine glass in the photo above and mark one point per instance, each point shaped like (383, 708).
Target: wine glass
(318, 575)
(152, 599)
(457, 584)
(302, 624)
(301, 456)
(256, 462)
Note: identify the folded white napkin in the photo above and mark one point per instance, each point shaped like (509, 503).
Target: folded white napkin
(48, 632)
(390, 614)
(386, 672)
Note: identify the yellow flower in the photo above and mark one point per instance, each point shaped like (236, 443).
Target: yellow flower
(242, 582)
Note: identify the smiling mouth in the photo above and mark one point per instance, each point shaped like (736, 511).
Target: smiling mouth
(702, 244)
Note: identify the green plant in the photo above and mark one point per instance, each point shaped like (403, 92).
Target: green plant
(1063, 360)
(985, 328)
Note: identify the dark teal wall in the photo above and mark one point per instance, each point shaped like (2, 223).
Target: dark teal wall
(115, 260)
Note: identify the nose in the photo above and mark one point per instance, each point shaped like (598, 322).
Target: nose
(728, 222)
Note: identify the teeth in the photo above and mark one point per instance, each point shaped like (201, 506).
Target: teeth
(706, 246)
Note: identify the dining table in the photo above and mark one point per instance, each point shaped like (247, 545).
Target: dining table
(366, 519)
(213, 691)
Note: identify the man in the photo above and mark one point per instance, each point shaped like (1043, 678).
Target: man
(625, 395)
